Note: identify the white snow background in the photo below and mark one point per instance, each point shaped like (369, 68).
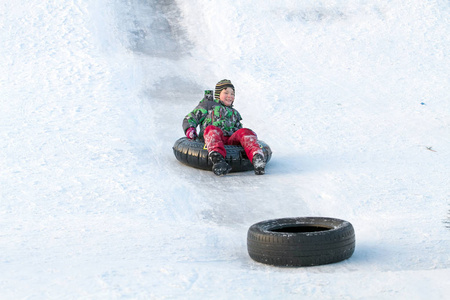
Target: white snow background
(352, 96)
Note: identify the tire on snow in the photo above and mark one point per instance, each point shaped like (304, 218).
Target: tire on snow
(194, 153)
(307, 241)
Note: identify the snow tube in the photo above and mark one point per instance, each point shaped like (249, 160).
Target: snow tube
(194, 153)
(294, 242)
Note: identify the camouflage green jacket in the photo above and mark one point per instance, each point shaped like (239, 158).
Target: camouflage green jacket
(212, 112)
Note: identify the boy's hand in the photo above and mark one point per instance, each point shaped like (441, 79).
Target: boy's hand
(191, 133)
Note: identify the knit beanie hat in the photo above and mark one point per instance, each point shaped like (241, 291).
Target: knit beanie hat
(223, 84)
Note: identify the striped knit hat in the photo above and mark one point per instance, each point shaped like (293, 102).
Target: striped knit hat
(223, 84)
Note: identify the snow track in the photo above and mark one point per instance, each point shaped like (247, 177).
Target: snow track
(351, 97)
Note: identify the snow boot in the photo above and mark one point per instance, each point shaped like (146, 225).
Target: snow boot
(220, 166)
(259, 164)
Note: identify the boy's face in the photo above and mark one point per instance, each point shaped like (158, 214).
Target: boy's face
(227, 96)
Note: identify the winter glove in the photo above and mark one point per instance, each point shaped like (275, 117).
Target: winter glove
(191, 133)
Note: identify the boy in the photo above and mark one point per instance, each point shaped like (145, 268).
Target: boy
(220, 125)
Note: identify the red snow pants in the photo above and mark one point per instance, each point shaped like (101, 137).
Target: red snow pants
(216, 141)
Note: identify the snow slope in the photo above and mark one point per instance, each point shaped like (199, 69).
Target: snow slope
(351, 96)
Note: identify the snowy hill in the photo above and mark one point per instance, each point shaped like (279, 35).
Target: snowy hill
(351, 96)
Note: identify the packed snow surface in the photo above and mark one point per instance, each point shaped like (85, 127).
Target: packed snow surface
(352, 96)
